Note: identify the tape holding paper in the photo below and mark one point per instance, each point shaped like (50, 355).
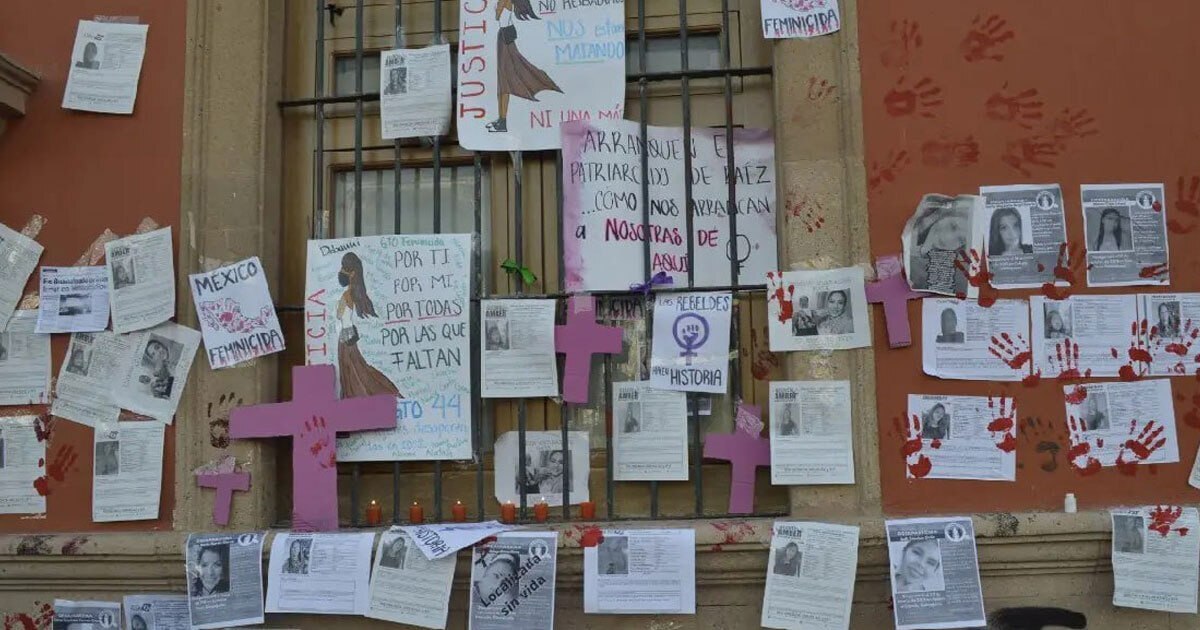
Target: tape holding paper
(33, 226)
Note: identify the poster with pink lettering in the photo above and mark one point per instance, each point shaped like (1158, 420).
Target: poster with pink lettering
(525, 66)
(237, 316)
(604, 219)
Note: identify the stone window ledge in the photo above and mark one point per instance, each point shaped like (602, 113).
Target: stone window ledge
(16, 84)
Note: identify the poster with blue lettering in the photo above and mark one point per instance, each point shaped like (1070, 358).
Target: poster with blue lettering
(525, 66)
(800, 18)
(604, 227)
(392, 314)
(237, 316)
(691, 342)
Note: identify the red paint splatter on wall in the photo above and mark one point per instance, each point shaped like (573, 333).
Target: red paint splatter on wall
(1137, 449)
(42, 427)
(74, 546)
(63, 462)
(732, 533)
(1163, 519)
(1192, 417)
(317, 437)
(1071, 125)
(1079, 454)
(917, 463)
(1156, 271)
(984, 37)
(975, 268)
(1067, 270)
(1022, 154)
(810, 211)
(764, 361)
(1022, 108)
(903, 41)
(921, 99)
(948, 152)
(41, 619)
(1139, 358)
(781, 295)
(820, 90)
(887, 171)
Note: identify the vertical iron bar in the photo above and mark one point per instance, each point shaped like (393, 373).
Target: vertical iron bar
(685, 91)
(610, 488)
(647, 256)
(566, 408)
(318, 229)
(477, 404)
(735, 373)
(396, 493)
(518, 244)
(437, 228)
(397, 158)
(358, 116)
(354, 481)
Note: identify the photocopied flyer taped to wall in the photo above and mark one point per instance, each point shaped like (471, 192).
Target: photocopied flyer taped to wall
(414, 92)
(810, 576)
(141, 280)
(327, 574)
(82, 393)
(127, 470)
(224, 573)
(19, 256)
(935, 573)
(442, 540)
(73, 299)
(106, 64)
(163, 611)
(94, 615)
(961, 340)
(518, 359)
(1156, 558)
(544, 478)
(649, 438)
(811, 441)
(152, 373)
(407, 587)
(24, 362)
(512, 582)
(24, 461)
(641, 571)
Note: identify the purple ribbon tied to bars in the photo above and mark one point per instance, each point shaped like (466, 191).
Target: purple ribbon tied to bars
(659, 279)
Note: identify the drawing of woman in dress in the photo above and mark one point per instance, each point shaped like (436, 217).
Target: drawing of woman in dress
(515, 75)
(357, 377)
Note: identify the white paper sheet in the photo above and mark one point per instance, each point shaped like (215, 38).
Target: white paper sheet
(1174, 320)
(544, 468)
(1024, 229)
(85, 379)
(106, 63)
(517, 349)
(1126, 230)
(1109, 416)
(1094, 327)
(224, 574)
(1194, 478)
(641, 571)
(19, 256)
(445, 539)
(153, 373)
(414, 92)
(957, 338)
(818, 310)
(800, 18)
(1156, 558)
(810, 576)
(22, 461)
(73, 299)
(157, 612)
(966, 437)
(691, 342)
(326, 574)
(649, 438)
(237, 317)
(512, 582)
(92, 615)
(408, 588)
(141, 280)
(127, 471)
(943, 237)
(24, 362)
(811, 441)
(935, 573)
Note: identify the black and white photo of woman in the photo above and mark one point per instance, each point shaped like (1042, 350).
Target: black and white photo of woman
(1055, 322)
(919, 567)
(940, 237)
(1110, 233)
(210, 571)
(1095, 412)
(935, 423)
(787, 560)
(515, 75)
(1006, 234)
(1167, 324)
(787, 420)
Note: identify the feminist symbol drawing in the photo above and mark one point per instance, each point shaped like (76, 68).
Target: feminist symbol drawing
(691, 332)
(735, 247)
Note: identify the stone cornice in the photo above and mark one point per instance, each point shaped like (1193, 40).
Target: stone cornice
(16, 84)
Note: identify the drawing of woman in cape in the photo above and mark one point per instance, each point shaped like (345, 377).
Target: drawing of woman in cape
(357, 377)
(515, 75)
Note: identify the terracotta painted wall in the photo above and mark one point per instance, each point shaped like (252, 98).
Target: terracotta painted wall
(962, 94)
(87, 172)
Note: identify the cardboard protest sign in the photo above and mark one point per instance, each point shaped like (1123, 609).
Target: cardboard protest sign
(236, 314)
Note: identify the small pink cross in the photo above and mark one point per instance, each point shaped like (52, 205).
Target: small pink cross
(224, 483)
(746, 450)
(892, 290)
(313, 419)
(579, 339)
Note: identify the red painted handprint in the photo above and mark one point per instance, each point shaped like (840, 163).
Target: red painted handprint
(810, 212)
(1139, 357)
(1187, 203)
(320, 442)
(819, 89)
(1003, 427)
(1065, 361)
(1016, 354)
(1079, 455)
(781, 296)
(764, 362)
(1138, 449)
(985, 35)
(1067, 269)
(1163, 519)
(948, 152)
(904, 40)
(1022, 108)
(64, 462)
(1071, 125)
(920, 99)
(1026, 152)
(975, 268)
(918, 464)
(887, 172)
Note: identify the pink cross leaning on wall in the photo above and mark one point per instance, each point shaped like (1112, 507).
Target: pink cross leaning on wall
(892, 290)
(579, 339)
(746, 450)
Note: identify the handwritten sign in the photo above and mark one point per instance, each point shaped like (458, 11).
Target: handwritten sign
(603, 225)
(691, 342)
(799, 18)
(236, 314)
(392, 313)
(526, 66)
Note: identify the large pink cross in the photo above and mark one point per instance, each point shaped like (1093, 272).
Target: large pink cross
(746, 450)
(224, 483)
(579, 339)
(313, 419)
(892, 290)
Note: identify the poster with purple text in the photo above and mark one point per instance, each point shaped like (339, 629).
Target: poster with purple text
(603, 229)
(237, 316)
(691, 342)
(525, 66)
(799, 18)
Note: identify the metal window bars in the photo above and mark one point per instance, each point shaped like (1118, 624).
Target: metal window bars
(320, 227)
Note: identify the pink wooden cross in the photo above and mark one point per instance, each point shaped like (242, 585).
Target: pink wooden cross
(313, 419)
(224, 483)
(892, 290)
(746, 450)
(579, 339)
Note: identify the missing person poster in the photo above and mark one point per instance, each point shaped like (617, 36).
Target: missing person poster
(518, 358)
(962, 438)
(22, 463)
(19, 256)
(1174, 320)
(1126, 231)
(1123, 424)
(957, 338)
(810, 576)
(407, 587)
(650, 433)
(800, 18)
(141, 280)
(392, 315)
(73, 299)
(224, 574)
(817, 310)
(543, 477)
(152, 373)
(604, 214)
(106, 64)
(325, 574)
(526, 66)
(24, 362)
(641, 571)
(127, 471)
(1080, 332)
(414, 92)
(1156, 558)
(85, 380)
(811, 441)
(237, 316)
(943, 235)
(512, 582)
(164, 611)
(691, 342)
(1024, 229)
(935, 573)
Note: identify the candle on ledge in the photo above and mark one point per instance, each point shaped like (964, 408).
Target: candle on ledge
(416, 515)
(508, 513)
(541, 510)
(587, 511)
(460, 512)
(374, 513)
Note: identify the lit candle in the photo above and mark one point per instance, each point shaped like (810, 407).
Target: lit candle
(541, 511)
(460, 512)
(374, 513)
(587, 510)
(416, 514)
(508, 513)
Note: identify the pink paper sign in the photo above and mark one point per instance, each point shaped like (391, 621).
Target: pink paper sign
(313, 419)
(224, 483)
(579, 339)
(746, 450)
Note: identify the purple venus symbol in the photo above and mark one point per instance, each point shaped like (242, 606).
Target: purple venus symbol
(690, 331)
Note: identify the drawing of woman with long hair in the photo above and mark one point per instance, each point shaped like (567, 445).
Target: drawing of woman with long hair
(357, 377)
(515, 75)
